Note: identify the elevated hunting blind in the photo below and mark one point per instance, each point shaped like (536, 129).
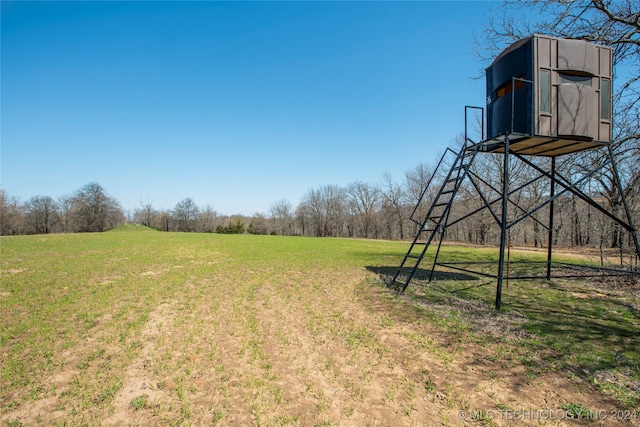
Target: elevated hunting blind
(552, 95)
(546, 97)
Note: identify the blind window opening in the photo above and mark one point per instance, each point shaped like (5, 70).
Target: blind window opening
(580, 79)
(605, 99)
(506, 87)
(545, 91)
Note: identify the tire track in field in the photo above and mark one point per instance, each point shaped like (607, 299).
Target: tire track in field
(138, 381)
(323, 349)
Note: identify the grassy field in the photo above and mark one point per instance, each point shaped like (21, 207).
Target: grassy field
(139, 327)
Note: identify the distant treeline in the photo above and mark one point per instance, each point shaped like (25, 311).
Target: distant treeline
(360, 210)
(89, 209)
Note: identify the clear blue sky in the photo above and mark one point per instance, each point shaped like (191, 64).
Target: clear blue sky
(234, 104)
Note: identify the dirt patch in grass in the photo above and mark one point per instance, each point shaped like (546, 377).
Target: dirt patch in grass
(137, 383)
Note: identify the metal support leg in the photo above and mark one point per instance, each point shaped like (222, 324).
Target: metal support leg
(552, 193)
(634, 231)
(503, 223)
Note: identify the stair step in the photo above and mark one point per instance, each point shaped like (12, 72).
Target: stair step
(435, 223)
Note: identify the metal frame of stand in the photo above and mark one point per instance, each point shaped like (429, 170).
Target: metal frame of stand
(433, 226)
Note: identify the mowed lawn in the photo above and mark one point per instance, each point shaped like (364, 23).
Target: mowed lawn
(139, 327)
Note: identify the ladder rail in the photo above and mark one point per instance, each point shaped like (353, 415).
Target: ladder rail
(426, 188)
(458, 185)
(460, 167)
(418, 258)
(446, 180)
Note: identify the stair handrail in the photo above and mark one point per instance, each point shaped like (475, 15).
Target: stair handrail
(426, 188)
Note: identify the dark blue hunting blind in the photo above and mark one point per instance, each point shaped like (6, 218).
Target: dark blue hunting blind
(553, 96)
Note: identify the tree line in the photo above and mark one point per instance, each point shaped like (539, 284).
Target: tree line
(89, 209)
(379, 210)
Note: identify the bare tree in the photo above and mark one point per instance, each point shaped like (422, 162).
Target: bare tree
(145, 214)
(259, 224)
(185, 214)
(207, 219)
(163, 221)
(95, 210)
(416, 182)
(324, 208)
(65, 213)
(393, 201)
(364, 199)
(612, 23)
(314, 211)
(11, 215)
(303, 215)
(40, 212)
(281, 213)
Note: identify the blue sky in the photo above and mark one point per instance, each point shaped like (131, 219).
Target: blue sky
(234, 104)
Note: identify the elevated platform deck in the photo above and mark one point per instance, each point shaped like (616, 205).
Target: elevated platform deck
(537, 145)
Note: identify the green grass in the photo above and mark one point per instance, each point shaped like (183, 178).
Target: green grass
(58, 291)
(78, 305)
(588, 326)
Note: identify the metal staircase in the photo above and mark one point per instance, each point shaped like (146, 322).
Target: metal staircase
(433, 225)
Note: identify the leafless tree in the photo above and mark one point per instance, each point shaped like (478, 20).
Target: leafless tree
(145, 214)
(11, 215)
(416, 182)
(40, 212)
(324, 209)
(315, 212)
(281, 213)
(364, 200)
(259, 224)
(207, 219)
(95, 210)
(303, 214)
(185, 214)
(163, 221)
(393, 200)
(65, 213)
